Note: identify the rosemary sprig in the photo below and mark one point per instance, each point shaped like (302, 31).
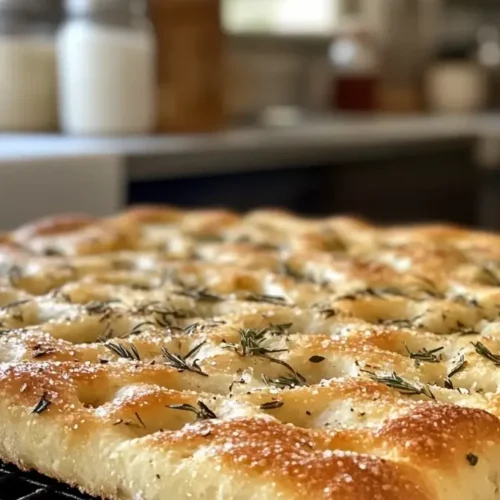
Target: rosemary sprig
(394, 381)
(100, 307)
(17, 303)
(490, 275)
(459, 364)
(279, 329)
(194, 327)
(295, 379)
(269, 299)
(42, 405)
(483, 351)
(181, 363)
(106, 334)
(286, 270)
(271, 405)
(426, 356)
(14, 275)
(251, 340)
(251, 345)
(120, 350)
(328, 313)
(291, 381)
(203, 412)
(138, 329)
(200, 294)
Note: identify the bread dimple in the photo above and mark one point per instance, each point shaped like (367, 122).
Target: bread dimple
(264, 355)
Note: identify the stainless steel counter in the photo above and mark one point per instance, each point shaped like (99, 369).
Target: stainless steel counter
(318, 141)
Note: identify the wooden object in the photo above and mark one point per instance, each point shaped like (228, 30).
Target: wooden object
(190, 64)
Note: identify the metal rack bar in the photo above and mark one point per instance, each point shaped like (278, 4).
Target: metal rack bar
(18, 485)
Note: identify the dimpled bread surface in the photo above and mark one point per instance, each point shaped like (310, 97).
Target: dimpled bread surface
(174, 354)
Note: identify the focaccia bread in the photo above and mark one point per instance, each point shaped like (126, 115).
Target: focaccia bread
(169, 354)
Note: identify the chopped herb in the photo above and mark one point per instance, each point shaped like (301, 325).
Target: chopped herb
(466, 331)
(251, 343)
(328, 313)
(286, 270)
(15, 273)
(483, 351)
(181, 363)
(296, 380)
(490, 276)
(403, 386)
(472, 459)
(190, 329)
(14, 304)
(426, 356)
(459, 364)
(462, 299)
(42, 405)
(316, 359)
(200, 294)
(272, 405)
(270, 299)
(279, 329)
(139, 328)
(100, 307)
(140, 420)
(106, 334)
(39, 352)
(293, 380)
(120, 350)
(448, 384)
(203, 412)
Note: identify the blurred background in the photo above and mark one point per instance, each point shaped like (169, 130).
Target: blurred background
(389, 109)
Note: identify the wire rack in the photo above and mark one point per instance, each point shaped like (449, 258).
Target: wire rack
(17, 485)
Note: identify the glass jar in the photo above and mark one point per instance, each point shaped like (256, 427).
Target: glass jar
(107, 58)
(355, 61)
(28, 85)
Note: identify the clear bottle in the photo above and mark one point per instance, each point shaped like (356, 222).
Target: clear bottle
(355, 61)
(107, 75)
(28, 82)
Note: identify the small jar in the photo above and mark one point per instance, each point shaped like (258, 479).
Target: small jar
(355, 62)
(107, 58)
(28, 82)
(456, 83)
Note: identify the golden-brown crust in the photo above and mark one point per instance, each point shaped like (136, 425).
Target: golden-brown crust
(208, 354)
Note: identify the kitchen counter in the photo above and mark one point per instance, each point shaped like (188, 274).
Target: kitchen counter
(322, 141)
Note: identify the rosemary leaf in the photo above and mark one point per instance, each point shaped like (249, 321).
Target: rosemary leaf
(426, 356)
(121, 351)
(181, 363)
(483, 351)
(203, 412)
(272, 405)
(394, 381)
(42, 405)
(459, 364)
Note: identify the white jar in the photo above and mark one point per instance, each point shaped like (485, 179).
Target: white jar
(107, 78)
(456, 87)
(28, 82)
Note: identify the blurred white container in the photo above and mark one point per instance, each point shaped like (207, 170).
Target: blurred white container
(107, 60)
(456, 84)
(28, 82)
